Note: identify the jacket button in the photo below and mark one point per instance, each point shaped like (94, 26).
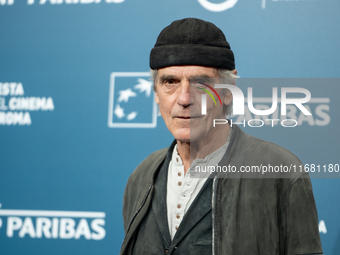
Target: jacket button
(166, 251)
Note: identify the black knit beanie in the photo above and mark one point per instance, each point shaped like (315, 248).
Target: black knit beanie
(192, 41)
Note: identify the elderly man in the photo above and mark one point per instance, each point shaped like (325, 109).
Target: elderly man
(167, 212)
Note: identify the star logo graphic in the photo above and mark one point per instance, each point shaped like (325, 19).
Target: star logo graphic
(131, 116)
(119, 112)
(144, 85)
(132, 101)
(124, 95)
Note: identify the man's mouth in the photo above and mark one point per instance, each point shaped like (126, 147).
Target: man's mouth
(186, 117)
(183, 117)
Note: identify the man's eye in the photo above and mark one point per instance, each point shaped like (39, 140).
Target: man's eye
(170, 81)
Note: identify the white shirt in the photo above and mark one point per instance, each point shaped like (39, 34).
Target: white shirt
(181, 189)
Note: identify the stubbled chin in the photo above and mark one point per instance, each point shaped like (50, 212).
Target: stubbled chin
(182, 134)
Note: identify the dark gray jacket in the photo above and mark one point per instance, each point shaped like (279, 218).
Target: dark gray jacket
(249, 215)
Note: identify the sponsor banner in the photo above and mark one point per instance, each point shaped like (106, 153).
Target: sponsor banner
(59, 2)
(15, 107)
(53, 224)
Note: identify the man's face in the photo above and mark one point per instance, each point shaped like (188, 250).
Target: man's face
(180, 103)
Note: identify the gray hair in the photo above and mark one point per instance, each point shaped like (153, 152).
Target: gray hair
(222, 73)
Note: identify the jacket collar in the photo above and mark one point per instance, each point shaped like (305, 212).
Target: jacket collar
(199, 208)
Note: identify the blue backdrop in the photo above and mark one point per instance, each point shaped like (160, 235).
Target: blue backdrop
(69, 139)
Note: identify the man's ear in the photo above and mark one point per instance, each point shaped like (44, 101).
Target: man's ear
(228, 98)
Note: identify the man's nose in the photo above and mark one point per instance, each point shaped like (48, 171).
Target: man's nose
(184, 94)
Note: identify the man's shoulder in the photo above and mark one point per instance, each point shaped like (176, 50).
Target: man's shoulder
(146, 169)
(258, 155)
(139, 184)
(259, 149)
(272, 149)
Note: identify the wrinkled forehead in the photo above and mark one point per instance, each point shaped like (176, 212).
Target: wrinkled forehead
(187, 72)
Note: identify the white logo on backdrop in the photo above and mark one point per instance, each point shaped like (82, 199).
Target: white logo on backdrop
(15, 108)
(322, 227)
(57, 2)
(131, 102)
(8, 2)
(218, 7)
(54, 224)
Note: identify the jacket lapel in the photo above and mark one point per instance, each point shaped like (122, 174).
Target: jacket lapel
(200, 207)
(159, 202)
(141, 201)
